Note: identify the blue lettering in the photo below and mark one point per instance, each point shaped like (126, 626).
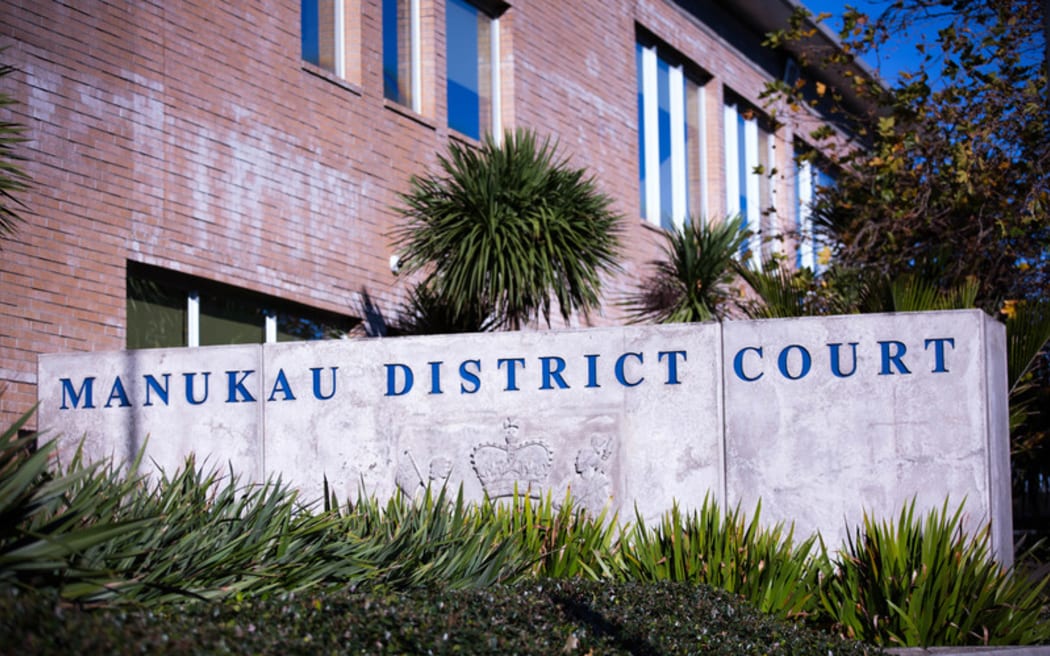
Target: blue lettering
(281, 385)
(893, 358)
(836, 367)
(391, 379)
(672, 364)
(469, 377)
(512, 371)
(782, 362)
(117, 392)
(435, 377)
(592, 370)
(153, 385)
(318, 394)
(620, 362)
(68, 393)
(738, 363)
(235, 387)
(190, 396)
(938, 352)
(552, 373)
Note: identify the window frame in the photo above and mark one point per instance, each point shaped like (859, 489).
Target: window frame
(345, 40)
(681, 177)
(412, 60)
(175, 285)
(749, 144)
(811, 173)
(489, 58)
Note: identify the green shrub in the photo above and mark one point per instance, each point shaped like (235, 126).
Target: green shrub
(925, 582)
(563, 541)
(48, 520)
(433, 541)
(724, 551)
(574, 617)
(90, 533)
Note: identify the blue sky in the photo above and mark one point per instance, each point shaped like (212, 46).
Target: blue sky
(893, 57)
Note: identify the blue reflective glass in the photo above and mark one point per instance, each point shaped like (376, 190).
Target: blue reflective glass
(391, 58)
(641, 122)
(462, 57)
(742, 172)
(309, 19)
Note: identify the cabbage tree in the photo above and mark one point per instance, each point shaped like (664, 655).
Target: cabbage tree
(507, 230)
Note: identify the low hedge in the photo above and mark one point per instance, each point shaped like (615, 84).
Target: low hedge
(549, 617)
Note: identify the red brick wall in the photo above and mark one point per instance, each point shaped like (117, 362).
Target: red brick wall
(191, 136)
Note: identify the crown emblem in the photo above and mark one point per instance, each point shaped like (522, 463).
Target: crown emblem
(502, 468)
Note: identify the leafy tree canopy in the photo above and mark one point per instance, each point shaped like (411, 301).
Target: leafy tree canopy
(945, 174)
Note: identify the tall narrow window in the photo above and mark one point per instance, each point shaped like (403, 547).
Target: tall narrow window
(670, 140)
(810, 178)
(322, 25)
(401, 54)
(748, 158)
(472, 69)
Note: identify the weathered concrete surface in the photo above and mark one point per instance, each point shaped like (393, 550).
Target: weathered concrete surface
(638, 416)
(489, 430)
(837, 416)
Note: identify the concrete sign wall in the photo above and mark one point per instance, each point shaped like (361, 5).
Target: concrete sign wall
(821, 418)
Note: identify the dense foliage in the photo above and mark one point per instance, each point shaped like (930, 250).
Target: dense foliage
(13, 178)
(505, 230)
(570, 616)
(944, 173)
(90, 535)
(692, 281)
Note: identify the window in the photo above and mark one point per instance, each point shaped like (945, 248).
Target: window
(810, 177)
(168, 309)
(472, 69)
(401, 52)
(323, 33)
(748, 159)
(670, 140)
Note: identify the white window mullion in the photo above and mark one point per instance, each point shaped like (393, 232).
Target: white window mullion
(271, 327)
(417, 56)
(193, 319)
(805, 214)
(651, 130)
(340, 39)
(497, 106)
(676, 94)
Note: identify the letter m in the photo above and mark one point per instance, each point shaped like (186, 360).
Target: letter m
(70, 395)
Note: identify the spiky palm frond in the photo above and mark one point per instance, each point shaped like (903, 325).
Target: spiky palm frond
(780, 292)
(13, 178)
(426, 312)
(691, 282)
(510, 227)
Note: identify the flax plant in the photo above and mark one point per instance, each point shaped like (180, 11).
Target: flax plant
(726, 551)
(434, 540)
(921, 582)
(48, 520)
(562, 541)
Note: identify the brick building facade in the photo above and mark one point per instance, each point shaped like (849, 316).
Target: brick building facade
(247, 155)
